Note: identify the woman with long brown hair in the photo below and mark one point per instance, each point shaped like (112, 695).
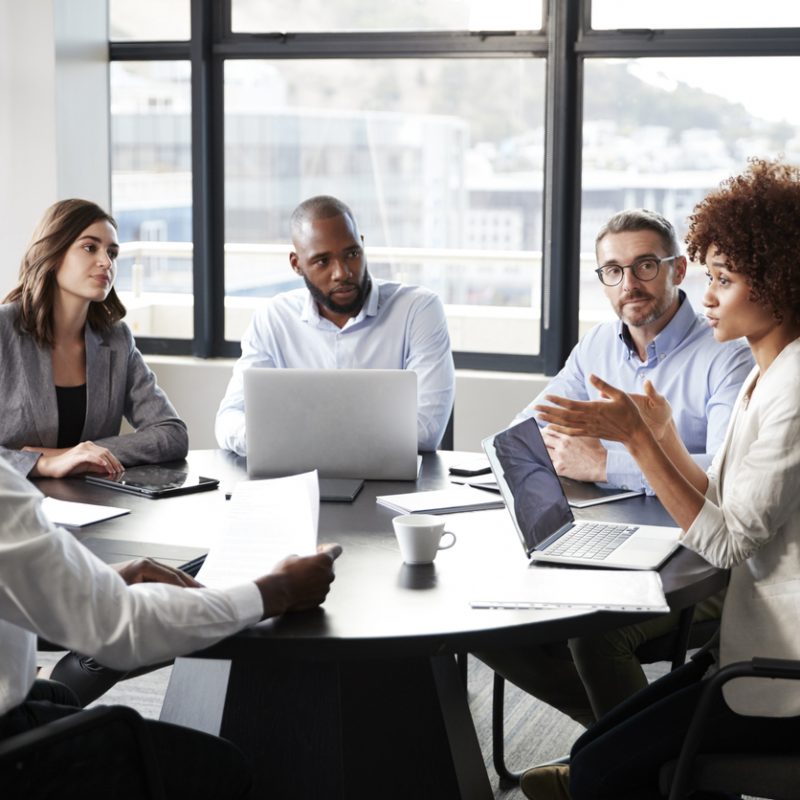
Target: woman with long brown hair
(70, 368)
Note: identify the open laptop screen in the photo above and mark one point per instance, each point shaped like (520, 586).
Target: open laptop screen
(528, 482)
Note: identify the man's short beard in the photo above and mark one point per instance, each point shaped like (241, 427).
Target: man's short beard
(655, 314)
(352, 308)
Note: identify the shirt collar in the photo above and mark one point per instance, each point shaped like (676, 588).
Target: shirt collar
(669, 338)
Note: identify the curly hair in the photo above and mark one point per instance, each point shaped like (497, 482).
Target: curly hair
(753, 219)
(60, 226)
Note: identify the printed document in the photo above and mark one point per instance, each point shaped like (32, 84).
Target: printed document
(563, 587)
(441, 501)
(76, 515)
(266, 521)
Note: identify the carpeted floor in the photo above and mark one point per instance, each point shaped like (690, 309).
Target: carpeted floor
(535, 733)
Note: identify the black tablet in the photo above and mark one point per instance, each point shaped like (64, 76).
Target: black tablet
(339, 490)
(471, 465)
(151, 480)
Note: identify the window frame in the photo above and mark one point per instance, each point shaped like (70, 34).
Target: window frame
(565, 41)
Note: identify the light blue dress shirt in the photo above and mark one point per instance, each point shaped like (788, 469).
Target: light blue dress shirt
(399, 327)
(699, 377)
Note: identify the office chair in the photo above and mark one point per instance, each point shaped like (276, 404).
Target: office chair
(671, 647)
(758, 774)
(447, 436)
(61, 759)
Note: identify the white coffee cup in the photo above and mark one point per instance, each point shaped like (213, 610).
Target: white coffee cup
(419, 537)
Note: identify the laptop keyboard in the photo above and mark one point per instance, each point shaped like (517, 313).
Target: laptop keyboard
(592, 540)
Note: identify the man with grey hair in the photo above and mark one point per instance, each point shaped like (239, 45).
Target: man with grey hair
(660, 337)
(344, 319)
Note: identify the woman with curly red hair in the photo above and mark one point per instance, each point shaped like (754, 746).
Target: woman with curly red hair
(743, 514)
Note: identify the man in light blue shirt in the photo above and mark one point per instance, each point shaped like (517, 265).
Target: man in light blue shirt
(344, 319)
(658, 336)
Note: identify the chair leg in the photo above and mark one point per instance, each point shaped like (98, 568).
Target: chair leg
(461, 663)
(682, 643)
(508, 779)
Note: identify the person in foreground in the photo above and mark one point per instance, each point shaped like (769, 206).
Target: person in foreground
(344, 319)
(743, 514)
(658, 335)
(71, 371)
(52, 586)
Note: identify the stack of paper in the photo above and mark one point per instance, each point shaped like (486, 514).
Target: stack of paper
(267, 521)
(559, 587)
(581, 494)
(486, 482)
(441, 501)
(76, 515)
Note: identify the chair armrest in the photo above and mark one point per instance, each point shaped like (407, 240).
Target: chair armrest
(769, 668)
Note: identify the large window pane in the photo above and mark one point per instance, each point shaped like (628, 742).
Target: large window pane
(656, 14)
(149, 20)
(447, 190)
(255, 16)
(661, 133)
(151, 194)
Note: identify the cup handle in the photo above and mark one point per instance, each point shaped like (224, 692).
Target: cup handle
(447, 546)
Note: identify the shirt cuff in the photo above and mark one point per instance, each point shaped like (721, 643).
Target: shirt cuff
(704, 530)
(247, 602)
(622, 472)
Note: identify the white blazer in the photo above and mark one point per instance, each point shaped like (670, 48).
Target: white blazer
(751, 522)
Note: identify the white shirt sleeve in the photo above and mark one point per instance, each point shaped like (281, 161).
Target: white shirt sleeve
(229, 427)
(53, 586)
(430, 357)
(570, 382)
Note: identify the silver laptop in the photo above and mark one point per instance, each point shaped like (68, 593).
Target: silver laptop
(535, 499)
(346, 423)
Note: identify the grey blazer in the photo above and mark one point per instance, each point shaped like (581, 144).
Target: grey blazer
(118, 384)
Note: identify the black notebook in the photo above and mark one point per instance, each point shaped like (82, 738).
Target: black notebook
(151, 480)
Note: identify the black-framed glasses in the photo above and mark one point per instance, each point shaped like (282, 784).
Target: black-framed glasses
(645, 269)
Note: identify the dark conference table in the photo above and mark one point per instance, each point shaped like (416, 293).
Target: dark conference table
(362, 698)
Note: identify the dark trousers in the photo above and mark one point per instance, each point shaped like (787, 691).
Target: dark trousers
(191, 764)
(621, 755)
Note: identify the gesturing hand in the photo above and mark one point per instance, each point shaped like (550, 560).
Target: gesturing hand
(615, 417)
(654, 408)
(145, 570)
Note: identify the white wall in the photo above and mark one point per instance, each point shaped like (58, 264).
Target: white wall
(83, 143)
(53, 114)
(485, 401)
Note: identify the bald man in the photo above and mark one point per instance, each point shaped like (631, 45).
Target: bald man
(344, 319)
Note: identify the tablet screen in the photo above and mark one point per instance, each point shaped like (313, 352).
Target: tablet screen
(154, 481)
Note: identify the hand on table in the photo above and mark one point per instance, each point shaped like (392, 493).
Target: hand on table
(84, 457)
(581, 458)
(145, 570)
(299, 583)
